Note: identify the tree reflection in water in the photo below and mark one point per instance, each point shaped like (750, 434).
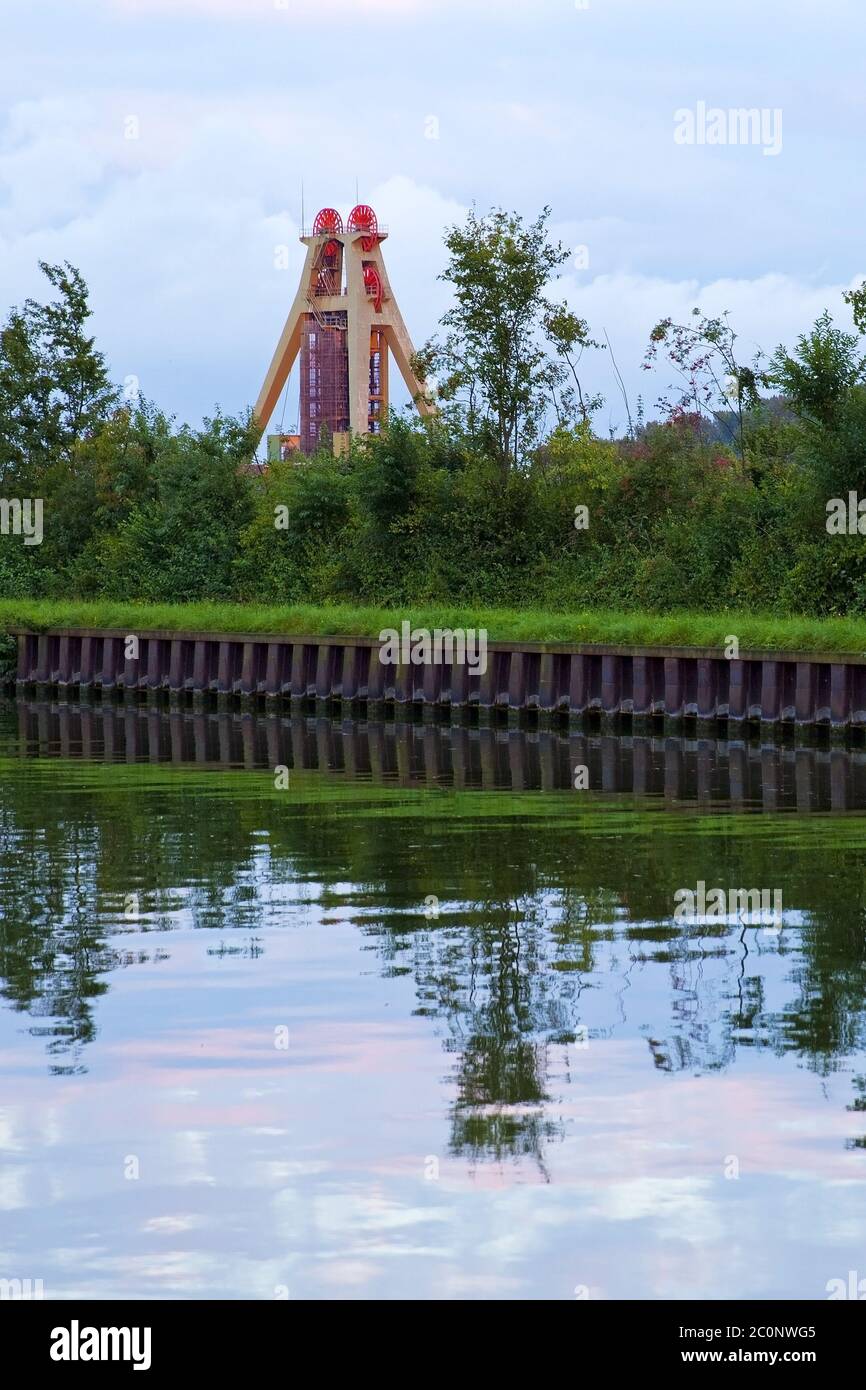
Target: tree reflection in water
(555, 931)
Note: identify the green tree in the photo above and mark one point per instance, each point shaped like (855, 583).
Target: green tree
(856, 300)
(570, 337)
(819, 376)
(494, 358)
(824, 379)
(54, 385)
(182, 539)
(290, 550)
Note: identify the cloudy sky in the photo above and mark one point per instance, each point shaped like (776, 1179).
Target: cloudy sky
(160, 146)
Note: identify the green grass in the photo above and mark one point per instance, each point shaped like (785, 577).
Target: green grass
(754, 631)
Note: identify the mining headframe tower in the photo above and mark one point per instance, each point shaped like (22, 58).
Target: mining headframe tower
(344, 323)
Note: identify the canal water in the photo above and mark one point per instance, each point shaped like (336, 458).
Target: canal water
(292, 1007)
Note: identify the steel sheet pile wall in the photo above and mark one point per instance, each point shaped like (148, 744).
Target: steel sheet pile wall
(675, 684)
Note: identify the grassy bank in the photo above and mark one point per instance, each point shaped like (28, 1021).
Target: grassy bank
(754, 632)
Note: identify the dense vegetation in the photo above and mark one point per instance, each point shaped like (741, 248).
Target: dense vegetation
(721, 504)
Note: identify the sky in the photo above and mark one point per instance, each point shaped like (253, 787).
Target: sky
(161, 146)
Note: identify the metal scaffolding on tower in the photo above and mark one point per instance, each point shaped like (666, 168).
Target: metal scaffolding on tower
(345, 325)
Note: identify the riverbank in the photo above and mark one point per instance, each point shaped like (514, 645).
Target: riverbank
(754, 632)
(571, 673)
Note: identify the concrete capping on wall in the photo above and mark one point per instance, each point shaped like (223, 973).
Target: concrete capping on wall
(674, 683)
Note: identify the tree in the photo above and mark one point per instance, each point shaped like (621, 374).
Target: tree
(826, 365)
(494, 359)
(570, 337)
(181, 539)
(711, 377)
(856, 300)
(54, 384)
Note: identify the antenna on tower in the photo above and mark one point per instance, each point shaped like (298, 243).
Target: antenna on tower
(303, 218)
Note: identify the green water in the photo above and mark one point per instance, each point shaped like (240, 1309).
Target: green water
(374, 1034)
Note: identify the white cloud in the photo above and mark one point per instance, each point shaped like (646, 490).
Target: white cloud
(181, 263)
(764, 311)
(180, 254)
(176, 229)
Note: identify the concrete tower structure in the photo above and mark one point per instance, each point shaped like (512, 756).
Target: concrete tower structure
(345, 324)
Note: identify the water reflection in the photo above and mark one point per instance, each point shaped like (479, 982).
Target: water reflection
(506, 967)
(770, 776)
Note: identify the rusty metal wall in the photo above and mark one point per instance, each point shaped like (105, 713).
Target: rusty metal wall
(764, 688)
